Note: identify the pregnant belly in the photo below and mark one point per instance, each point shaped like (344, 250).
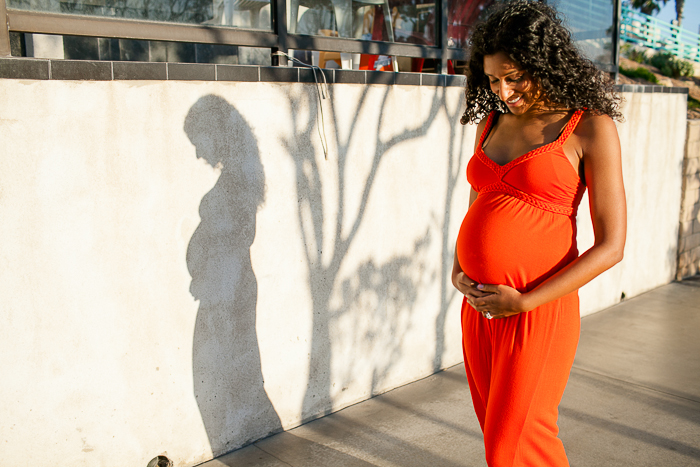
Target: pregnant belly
(504, 240)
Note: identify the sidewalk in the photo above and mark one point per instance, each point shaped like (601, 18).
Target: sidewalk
(633, 399)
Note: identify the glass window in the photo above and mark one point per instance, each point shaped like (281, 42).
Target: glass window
(254, 14)
(461, 16)
(407, 21)
(101, 48)
(591, 22)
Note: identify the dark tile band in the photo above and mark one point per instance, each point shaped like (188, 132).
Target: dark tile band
(86, 70)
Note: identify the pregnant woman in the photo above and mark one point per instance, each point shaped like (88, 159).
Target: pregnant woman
(546, 133)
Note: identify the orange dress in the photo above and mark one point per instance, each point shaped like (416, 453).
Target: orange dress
(519, 231)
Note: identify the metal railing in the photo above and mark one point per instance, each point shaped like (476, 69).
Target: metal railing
(638, 28)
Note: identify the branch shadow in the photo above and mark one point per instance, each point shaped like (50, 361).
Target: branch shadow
(447, 291)
(379, 298)
(633, 433)
(228, 380)
(613, 408)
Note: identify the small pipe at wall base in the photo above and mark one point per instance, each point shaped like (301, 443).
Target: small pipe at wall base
(160, 461)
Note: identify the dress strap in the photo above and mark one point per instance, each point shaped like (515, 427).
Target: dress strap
(571, 126)
(487, 128)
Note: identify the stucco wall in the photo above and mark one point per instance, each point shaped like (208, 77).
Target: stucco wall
(652, 139)
(183, 272)
(168, 246)
(689, 234)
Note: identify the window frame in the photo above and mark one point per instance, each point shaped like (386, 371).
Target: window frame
(278, 39)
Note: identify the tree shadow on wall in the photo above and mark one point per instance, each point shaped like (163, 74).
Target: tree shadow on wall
(378, 305)
(379, 300)
(228, 381)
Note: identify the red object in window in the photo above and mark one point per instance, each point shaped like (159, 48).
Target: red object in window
(417, 65)
(461, 16)
(367, 62)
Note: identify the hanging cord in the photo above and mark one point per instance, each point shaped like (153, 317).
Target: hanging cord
(321, 93)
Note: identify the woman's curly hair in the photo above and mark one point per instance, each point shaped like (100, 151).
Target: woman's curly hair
(532, 34)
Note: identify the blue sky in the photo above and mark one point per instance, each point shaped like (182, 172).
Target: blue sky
(691, 14)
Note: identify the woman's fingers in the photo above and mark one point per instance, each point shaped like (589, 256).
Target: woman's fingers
(488, 288)
(481, 303)
(489, 302)
(497, 302)
(473, 293)
(484, 298)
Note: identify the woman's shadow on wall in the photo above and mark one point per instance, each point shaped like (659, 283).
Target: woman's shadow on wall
(228, 381)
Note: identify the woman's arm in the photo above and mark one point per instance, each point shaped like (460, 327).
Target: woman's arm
(600, 148)
(460, 280)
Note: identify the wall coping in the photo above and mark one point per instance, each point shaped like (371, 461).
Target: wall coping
(89, 70)
(93, 70)
(650, 88)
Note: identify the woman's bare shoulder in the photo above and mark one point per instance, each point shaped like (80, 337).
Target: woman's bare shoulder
(481, 125)
(596, 131)
(592, 125)
(479, 130)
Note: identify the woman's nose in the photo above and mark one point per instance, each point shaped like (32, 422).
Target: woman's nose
(505, 91)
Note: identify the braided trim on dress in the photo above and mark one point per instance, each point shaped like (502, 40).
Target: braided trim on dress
(529, 199)
(489, 122)
(570, 126)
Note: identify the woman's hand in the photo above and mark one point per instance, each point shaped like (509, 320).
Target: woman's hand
(497, 301)
(467, 286)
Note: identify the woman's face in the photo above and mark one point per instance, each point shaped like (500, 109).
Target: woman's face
(513, 85)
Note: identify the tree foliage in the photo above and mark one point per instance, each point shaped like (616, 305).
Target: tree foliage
(648, 7)
(679, 11)
(671, 66)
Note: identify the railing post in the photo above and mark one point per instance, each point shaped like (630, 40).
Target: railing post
(659, 35)
(617, 25)
(441, 7)
(676, 47)
(279, 27)
(5, 50)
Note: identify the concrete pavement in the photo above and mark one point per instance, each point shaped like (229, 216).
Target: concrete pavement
(633, 399)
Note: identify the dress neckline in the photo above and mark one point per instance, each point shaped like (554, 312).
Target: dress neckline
(565, 133)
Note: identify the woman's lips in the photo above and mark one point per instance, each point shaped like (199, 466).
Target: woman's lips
(514, 101)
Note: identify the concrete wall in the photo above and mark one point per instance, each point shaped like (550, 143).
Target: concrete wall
(168, 247)
(183, 272)
(652, 139)
(689, 235)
